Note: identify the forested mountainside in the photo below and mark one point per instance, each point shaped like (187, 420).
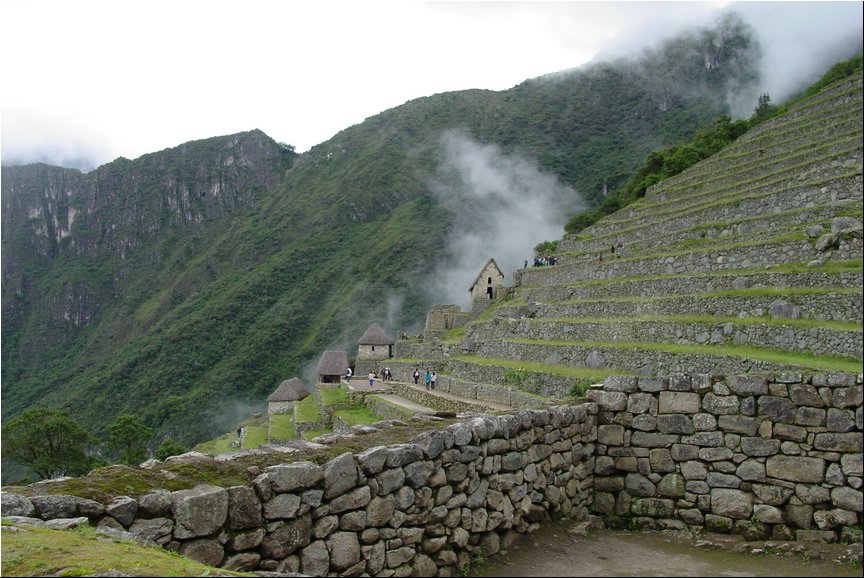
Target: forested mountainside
(184, 285)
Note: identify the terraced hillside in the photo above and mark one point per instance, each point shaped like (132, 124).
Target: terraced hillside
(750, 261)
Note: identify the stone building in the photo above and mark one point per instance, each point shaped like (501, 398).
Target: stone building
(487, 287)
(442, 318)
(374, 344)
(286, 395)
(332, 366)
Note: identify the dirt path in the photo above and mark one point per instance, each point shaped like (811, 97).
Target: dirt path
(553, 551)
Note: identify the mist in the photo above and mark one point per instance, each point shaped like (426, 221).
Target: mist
(508, 205)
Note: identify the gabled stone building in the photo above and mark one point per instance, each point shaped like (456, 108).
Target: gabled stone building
(374, 344)
(286, 395)
(487, 287)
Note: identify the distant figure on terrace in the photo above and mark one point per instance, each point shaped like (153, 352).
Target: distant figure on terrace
(371, 379)
(433, 380)
(428, 379)
(348, 374)
(416, 375)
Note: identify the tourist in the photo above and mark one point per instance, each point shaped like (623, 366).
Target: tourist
(416, 375)
(371, 378)
(433, 380)
(428, 379)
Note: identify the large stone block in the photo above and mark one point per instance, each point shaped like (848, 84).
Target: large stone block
(652, 440)
(675, 423)
(293, 476)
(639, 485)
(847, 498)
(679, 402)
(244, 508)
(778, 409)
(288, 538)
(720, 404)
(796, 469)
(731, 503)
(340, 475)
(852, 442)
(607, 400)
(16, 505)
(200, 511)
(610, 435)
(739, 424)
(759, 447)
(62, 506)
(851, 396)
(805, 394)
(206, 551)
(744, 385)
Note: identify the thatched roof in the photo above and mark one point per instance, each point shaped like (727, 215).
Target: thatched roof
(289, 390)
(480, 274)
(375, 336)
(333, 363)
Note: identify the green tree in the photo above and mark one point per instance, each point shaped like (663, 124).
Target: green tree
(128, 437)
(168, 448)
(47, 442)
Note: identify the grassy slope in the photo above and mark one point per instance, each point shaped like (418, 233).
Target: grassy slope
(80, 552)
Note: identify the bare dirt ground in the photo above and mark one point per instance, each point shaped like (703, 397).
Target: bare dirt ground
(556, 551)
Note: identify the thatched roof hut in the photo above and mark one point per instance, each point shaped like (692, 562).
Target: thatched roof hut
(375, 336)
(332, 366)
(289, 390)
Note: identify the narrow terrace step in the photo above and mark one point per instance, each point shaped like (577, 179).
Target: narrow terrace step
(445, 400)
(405, 404)
(754, 156)
(479, 374)
(791, 276)
(661, 358)
(815, 120)
(825, 184)
(761, 225)
(819, 338)
(758, 254)
(826, 303)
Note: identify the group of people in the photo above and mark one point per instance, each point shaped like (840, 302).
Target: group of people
(430, 378)
(540, 261)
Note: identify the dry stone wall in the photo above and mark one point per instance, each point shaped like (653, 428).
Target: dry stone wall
(422, 508)
(775, 457)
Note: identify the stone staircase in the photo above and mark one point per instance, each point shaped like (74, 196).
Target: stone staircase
(750, 261)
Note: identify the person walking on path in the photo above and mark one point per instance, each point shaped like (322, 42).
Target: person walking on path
(416, 375)
(428, 379)
(433, 380)
(371, 379)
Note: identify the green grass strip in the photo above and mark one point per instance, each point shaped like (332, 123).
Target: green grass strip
(356, 415)
(829, 268)
(333, 395)
(535, 367)
(708, 320)
(307, 410)
(822, 362)
(282, 426)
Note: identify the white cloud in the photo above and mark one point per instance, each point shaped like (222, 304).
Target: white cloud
(132, 77)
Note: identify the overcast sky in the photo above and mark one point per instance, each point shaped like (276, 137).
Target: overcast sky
(83, 82)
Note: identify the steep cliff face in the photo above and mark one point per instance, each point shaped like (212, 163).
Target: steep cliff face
(114, 208)
(67, 235)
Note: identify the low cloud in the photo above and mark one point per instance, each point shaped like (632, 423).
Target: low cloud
(506, 205)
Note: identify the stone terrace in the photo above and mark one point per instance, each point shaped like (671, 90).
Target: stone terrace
(748, 262)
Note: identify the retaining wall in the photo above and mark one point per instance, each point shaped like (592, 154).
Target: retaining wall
(422, 509)
(776, 457)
